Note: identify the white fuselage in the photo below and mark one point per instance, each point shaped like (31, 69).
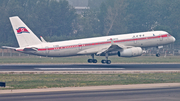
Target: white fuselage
(94, 45)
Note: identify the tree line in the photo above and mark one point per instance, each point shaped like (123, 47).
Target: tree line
(57, 20)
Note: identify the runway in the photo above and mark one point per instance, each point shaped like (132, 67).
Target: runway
(156, 94)
(153, 94)
(89, 67)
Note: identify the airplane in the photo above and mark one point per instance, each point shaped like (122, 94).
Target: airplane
(124, 45)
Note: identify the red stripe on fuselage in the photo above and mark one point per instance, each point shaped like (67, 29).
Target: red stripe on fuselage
(19, 50)
(100, 43)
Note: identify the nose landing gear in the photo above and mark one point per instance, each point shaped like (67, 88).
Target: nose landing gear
(157, 55)
(103, 61)
(158, 48)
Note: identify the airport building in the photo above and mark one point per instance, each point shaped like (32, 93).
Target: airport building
(79, 5)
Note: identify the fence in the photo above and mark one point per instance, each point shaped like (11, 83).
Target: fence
(146, 52)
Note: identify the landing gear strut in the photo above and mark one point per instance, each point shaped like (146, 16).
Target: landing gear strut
(106, 61)
(92, 60)
(158, 54)
(158, 48)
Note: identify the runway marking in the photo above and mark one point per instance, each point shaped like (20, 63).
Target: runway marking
(79, 68)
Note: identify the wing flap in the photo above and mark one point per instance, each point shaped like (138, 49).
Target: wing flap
(113, 47)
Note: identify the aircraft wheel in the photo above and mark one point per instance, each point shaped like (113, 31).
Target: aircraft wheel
(108, 61)
(157, 55)
(90, 60)
(103, 61)
(94, 61)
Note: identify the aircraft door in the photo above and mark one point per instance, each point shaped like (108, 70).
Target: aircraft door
(161, 38)
(135, 41)
(80, 46)
(47, 51)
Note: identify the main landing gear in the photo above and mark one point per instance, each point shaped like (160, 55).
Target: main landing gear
(103, 61)
(92, 60)
(106, 61)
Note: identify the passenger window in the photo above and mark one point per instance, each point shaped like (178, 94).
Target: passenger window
(56, 47)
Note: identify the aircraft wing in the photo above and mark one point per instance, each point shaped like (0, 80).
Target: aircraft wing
(112, 47)
(104, 49)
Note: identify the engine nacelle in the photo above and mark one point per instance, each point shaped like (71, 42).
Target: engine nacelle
(131, 52)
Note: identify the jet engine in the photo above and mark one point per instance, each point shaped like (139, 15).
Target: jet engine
(130, 52)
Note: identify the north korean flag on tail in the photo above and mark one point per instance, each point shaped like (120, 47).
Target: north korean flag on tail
(21, 30)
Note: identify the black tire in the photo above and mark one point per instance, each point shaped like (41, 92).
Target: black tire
(94, 61)
(157, 55)
(90, 60)
(103, 61)
(108, 61)
(2, 84)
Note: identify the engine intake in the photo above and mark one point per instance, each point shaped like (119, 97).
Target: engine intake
(130, 52)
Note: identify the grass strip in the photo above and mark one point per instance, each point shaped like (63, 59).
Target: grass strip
(28, 81)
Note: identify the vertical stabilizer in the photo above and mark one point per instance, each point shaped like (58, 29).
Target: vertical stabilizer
(24, 35)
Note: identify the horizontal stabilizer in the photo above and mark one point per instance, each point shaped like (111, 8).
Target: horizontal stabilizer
(42, 39)
(7, 47)
(21, 49)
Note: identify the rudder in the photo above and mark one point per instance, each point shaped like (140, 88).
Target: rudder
(24, 35)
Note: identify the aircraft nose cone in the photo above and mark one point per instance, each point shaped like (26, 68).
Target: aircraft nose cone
(173, 39)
